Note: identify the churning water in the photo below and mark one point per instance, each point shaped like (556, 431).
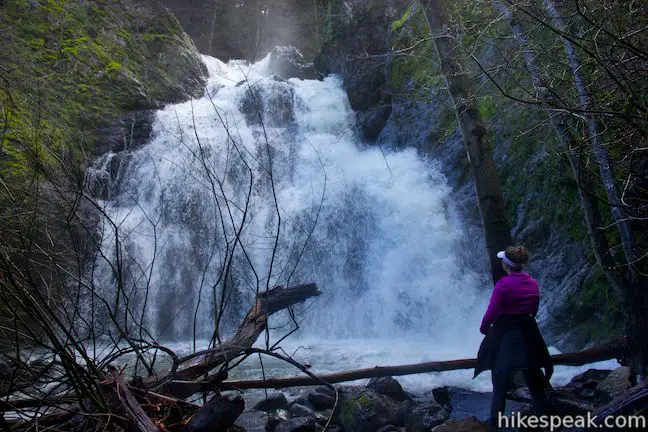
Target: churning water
(263, 182)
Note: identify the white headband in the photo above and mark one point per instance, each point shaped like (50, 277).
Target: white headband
(502, 255)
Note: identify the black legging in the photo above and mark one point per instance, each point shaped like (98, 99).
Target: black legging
(536, 383)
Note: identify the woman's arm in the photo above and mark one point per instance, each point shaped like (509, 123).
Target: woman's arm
(493, 308)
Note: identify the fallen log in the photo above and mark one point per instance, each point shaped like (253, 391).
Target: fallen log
(633, 404)
(610, 351)
(141, 422)
(198, 364)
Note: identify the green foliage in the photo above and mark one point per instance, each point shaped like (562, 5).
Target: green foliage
(398, 24)
(593, 309)
(69, 68)
(73, 66)
(413, 70)
(487, 107)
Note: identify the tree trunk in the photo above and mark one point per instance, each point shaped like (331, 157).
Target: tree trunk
(487, 185)
(560, 122)
(634, 297)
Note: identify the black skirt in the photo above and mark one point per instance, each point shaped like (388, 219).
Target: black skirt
(513, 343)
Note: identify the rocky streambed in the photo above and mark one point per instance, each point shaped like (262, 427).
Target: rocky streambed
(383, 406)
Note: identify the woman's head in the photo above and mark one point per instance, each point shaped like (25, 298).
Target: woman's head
(513, 258)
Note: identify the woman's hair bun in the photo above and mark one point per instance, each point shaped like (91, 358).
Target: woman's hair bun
(518, 254)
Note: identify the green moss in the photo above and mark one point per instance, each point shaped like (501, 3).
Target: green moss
(413, 69)
(348, 411)
(398, 24)
(487, 107)
(364, 401)
(74, 66)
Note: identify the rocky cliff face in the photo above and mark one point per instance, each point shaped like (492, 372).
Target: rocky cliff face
(78, 79)
(89, 63)
(395, 85)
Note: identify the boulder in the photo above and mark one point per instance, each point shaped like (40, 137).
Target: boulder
(273, 105)
(426, 414)
(388, 386)
(588, 379)
(321, 401)
(288, 62)
(297, 424)
(298, 410)
(301, 400)
(272, 402)
(129, 131)
(253, 421)
(322, 417)
(364, 410)
(616, 383)
(325, 390)
(442, 396)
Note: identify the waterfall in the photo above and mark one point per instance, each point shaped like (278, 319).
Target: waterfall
(263, 182)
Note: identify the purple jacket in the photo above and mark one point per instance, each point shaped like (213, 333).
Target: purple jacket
(514, 294)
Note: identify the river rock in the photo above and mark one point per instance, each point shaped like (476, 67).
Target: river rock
(297, 424)
(322, 417)
(273, 105)
(388, 386)
(272, 402)
(303, 401)
(468, 424)
(426, 414)
(588, 379)
(253, 421)
(442, 396)
(364, 410)
(298, 410)
(325, 390)
(288, 62)
(616, 382)
(321, 401)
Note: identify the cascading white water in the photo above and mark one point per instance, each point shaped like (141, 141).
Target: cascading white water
(272, 170)
(263, 158)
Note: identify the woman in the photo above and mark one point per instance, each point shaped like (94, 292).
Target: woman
(513, 340)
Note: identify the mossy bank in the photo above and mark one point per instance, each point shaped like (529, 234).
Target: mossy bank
(77, 79)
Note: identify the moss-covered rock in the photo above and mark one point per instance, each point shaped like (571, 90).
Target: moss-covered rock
(74, 78)
(73, 67)
(364, 410)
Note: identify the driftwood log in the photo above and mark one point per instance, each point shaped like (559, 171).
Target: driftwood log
(610, 351)
(200, 363)
(129, 405)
